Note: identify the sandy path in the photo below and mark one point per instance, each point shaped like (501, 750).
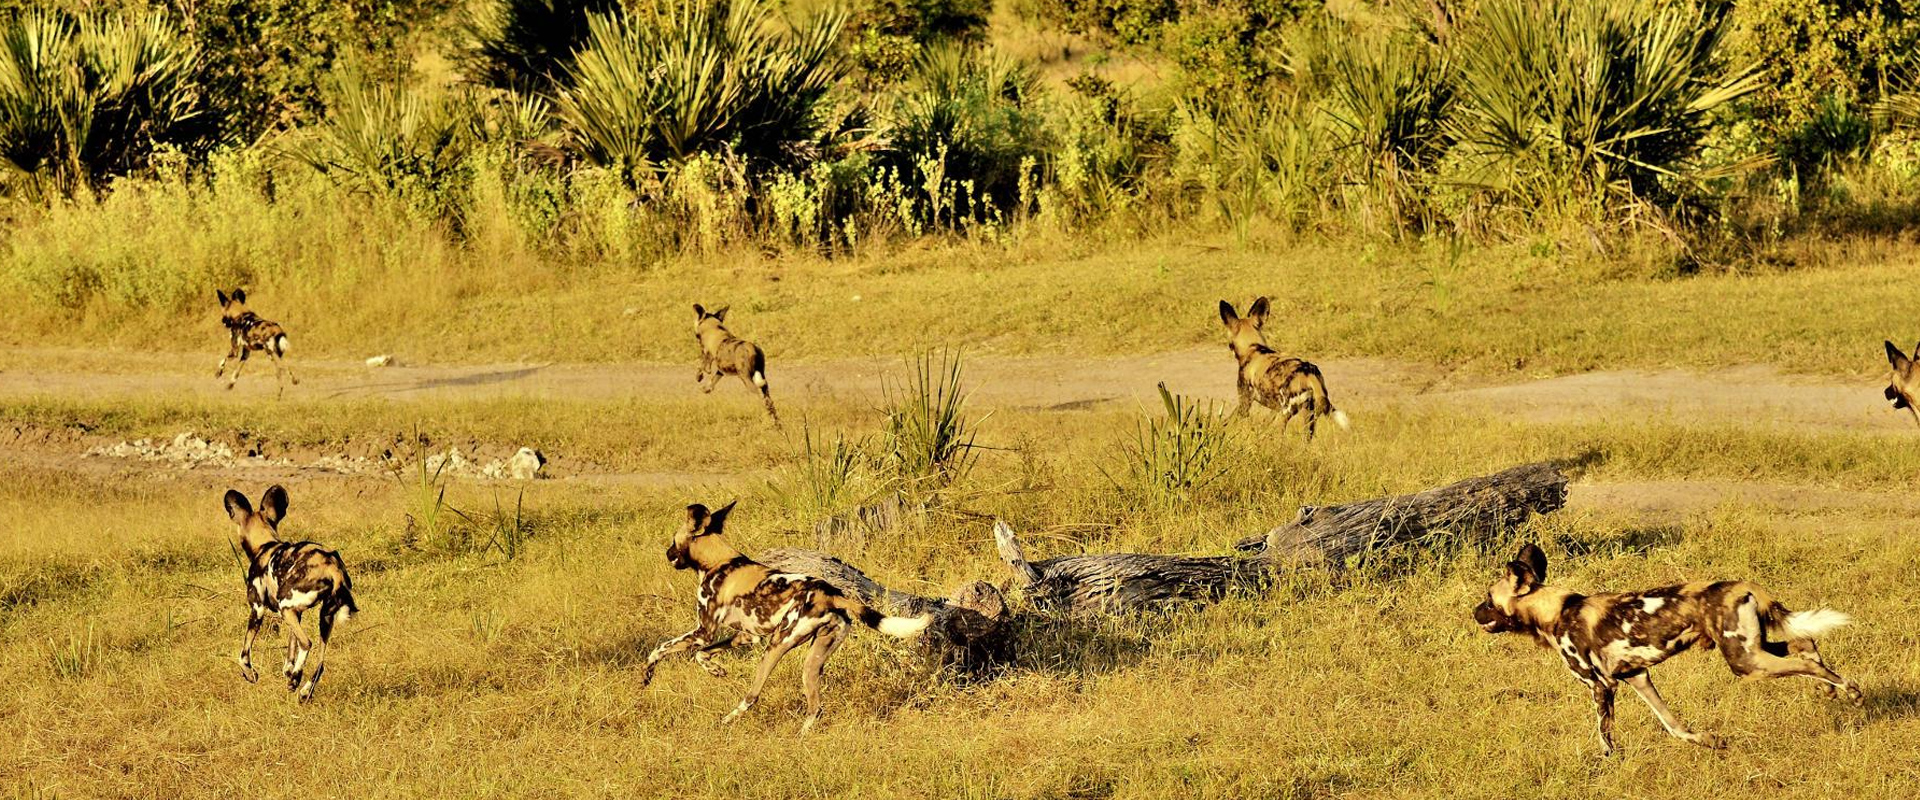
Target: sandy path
(1743, 395)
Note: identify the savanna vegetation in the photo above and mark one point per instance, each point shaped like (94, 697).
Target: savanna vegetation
(918, 207)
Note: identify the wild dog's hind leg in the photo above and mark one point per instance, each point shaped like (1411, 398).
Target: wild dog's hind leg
(327, 613)
(1642, 684)
(298, 645)
(1741, 644)
(774, 652)
(233, 349)
(256, 616)
(824, 643)
(690, 640)
(235, 377)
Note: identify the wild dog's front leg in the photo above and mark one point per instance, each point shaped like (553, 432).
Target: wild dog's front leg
(235, 377)
(772, 658)
(1643, 685)
(233, 349)
(256, 616)
(1603, 709)
(704, 655)
(690, 640)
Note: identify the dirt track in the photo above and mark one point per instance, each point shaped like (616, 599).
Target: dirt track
(1746, 396)
(1758, 396)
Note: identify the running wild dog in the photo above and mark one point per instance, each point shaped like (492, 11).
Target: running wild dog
(1906, 379)
(1287, 385)
(247, 332)
(1612, 638)
(286, 579)
(722, 353)
(738, 595)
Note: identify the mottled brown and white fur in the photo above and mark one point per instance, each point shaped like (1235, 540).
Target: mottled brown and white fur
(1289, 386)
(285, 580)
(1905, 381)
(738, 595)
(722, 353)
(247, 332)
(1612, 638)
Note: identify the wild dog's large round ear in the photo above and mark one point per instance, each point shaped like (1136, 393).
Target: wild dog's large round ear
(1258, 311)
(1523, 578)
(1535, 559)
(239, 295)
(223, 301)
(1894, 356)
(720, 314)
(237, 506)
(696, 516)
(699, 310)
(1227, 314)
(719, 518)
(273, 504)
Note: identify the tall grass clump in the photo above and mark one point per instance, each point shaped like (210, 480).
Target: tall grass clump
(85, 98)
(830, 477)
(644, 93)
(1172, 457)
(929, 437)
(1566, 99)
(1390, 96)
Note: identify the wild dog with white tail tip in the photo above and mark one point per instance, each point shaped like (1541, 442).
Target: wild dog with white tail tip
(1612, 638)
(285, 580)
(1287, 385)
(738, 595)
(722, 354)
(1906, 379)
(247, 332)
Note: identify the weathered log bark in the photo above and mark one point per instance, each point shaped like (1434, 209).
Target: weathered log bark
(1476, 508)
(971, 630)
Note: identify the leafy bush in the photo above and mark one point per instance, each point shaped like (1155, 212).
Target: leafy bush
(1565, 96)
(85, 98)
(394, 140)
(267, 61)
(967, 129)
(1817, 53)
(701, 78)
(525, 45)
(887, 35)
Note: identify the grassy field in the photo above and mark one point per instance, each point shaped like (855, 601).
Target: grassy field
(472, 673)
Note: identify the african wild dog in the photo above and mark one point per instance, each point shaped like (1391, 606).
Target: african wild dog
(246, 332)
(1286, 385)
(1906, 379)
(722, 353)
(738, 595)
(1606, 639)
(286, 579)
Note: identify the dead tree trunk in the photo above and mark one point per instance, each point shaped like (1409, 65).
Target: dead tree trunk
(971, 631)
(1477, 508)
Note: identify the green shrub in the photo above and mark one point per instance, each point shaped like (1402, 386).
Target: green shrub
(86, 98)
(965, 132)
(393, 140)
(645, 93)
(524, 45)
(1565, 98)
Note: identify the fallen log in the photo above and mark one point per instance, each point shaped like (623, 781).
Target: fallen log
(1327, 538)
(972, 630)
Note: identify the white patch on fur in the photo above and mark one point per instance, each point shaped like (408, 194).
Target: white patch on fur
(1814, 623)
(342, 615)
(1340, 418)
(1621, 650)
(280, 343)
(1626, 627)
(905, 627)
(759, 378)
(1652, 605)
(299, 661)
(300, 600)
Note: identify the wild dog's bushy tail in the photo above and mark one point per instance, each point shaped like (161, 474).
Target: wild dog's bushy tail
(1323, 404)
(1813, 623)
(897, 627)
(280, 343)
(759, 373)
